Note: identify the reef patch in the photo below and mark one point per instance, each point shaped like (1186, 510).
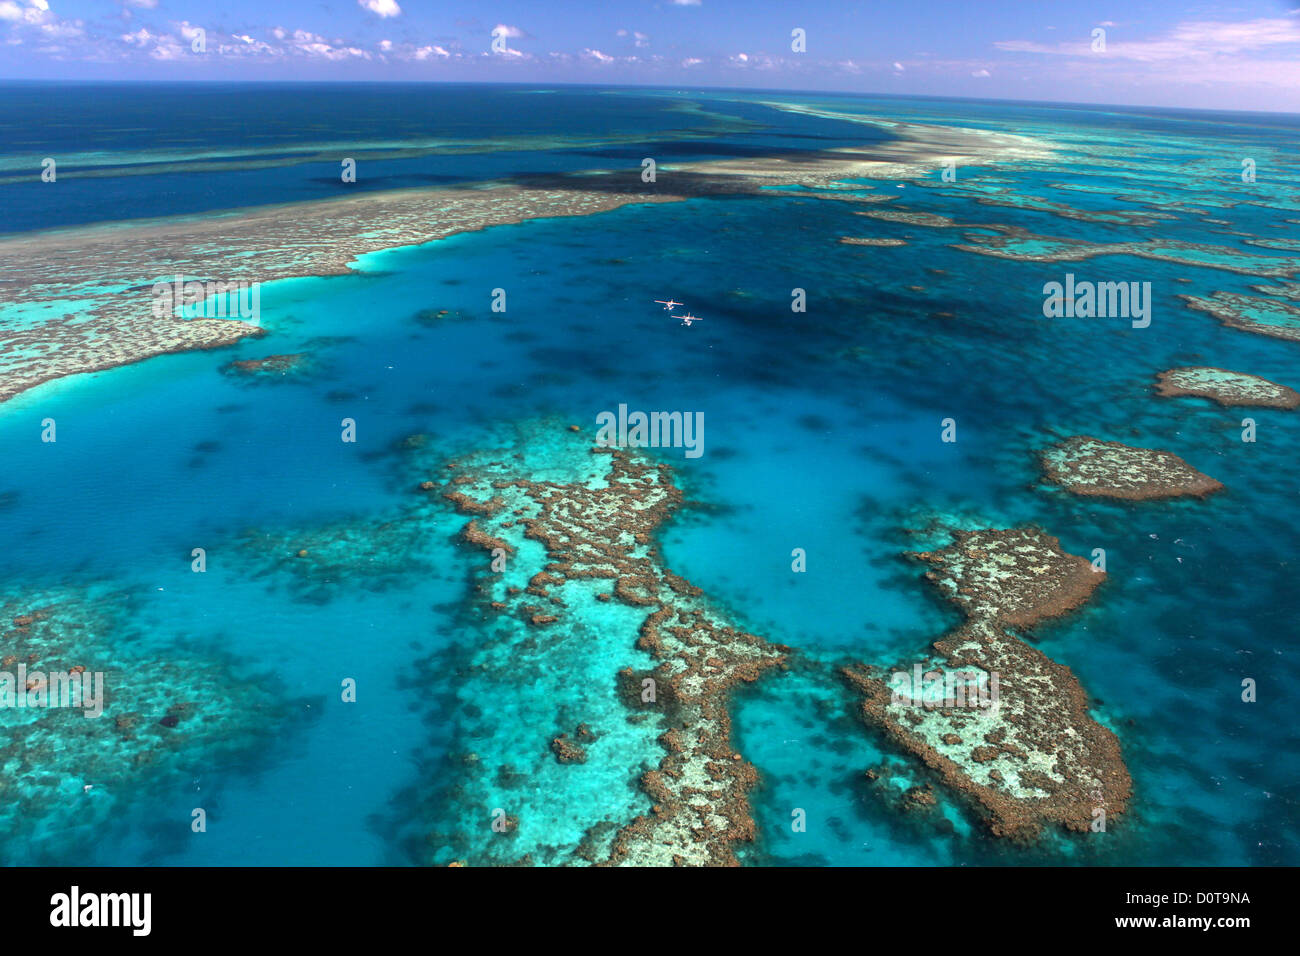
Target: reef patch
(270, 367)
(1089, 466)
(1032, 755)
(597, 528)
(64, 769)
(1271, 317)
(1225, 387)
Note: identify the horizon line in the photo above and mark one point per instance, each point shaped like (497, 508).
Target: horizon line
(1072, 104)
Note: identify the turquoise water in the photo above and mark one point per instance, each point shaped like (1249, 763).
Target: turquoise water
(822, 433)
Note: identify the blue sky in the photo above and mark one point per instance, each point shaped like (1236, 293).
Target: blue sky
(1243, 55)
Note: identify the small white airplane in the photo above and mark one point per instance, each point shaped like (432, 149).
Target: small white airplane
(668, 304)
(687, 319)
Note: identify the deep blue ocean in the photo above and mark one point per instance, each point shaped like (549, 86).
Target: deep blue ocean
(822, 433)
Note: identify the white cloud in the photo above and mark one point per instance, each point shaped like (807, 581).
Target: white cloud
(1257, 59)
(424, 52)
(756, 61)
(598, 56)
(502, 31)
(688, 3)
(36, 15)
(250, 45)
(1193, 39)
(981, 74)
(381, 8)
(306, 43)
(32, 12)
(301, 43)
(138, 38)
(62, 29)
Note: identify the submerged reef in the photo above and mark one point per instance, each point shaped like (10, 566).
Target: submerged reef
(1288, 290)
(74, 760)
(863, 241)
(987, 191)
(908, 217)
(1225, 387)
(1024, 246)
(270, 367)
(999, 721)
(1090, 466)
(595, 521)
(836, 192)
(1280, 320)
(313, 560)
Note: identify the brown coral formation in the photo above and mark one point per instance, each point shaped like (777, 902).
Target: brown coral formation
(1090, 466)
(566, 751)
(1275, 318)
(1020, 574)
(270, 365)
(867, 241)
(700, 786)
(475, 535)
(1033, 755)
(1225, 387)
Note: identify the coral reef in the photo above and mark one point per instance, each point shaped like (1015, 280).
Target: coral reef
(860, 241)
(72, 761)
(1090, 466)
(271, 366)
(1271, 317)
(1000, 722)
(602, 529)
(1225, 387)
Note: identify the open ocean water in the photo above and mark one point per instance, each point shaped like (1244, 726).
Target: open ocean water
(822, 433)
